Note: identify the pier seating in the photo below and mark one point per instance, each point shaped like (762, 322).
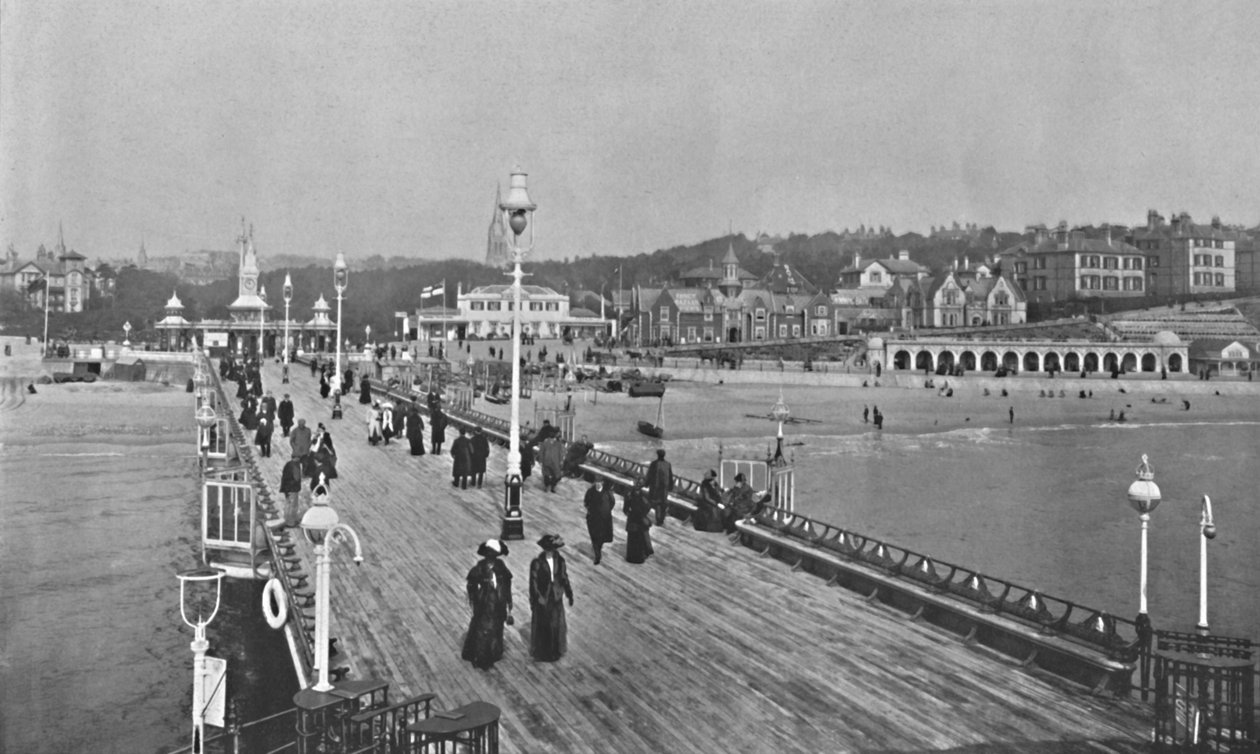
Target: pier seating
(1016, 622)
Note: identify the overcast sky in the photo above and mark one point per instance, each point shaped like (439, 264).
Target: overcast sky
(383, 128)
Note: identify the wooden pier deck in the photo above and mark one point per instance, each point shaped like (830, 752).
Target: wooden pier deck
(704, 648)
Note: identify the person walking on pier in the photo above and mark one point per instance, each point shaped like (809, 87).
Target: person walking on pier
(437, 431)
(490, 596)
(1011, 414)
(284, 412)
(374, 424)
(415, 431)
(324, 387)
(262, 437)
(268, 408)
(461, 464)
(710, 508)
(365, 390)
(300, 440)
(387, 421)
(866, 414)
(548, 588)
(879, 418)
(291, 487)
(660, 479)
(638, 523)
(551, 456)
(479, 447)
(599, 505)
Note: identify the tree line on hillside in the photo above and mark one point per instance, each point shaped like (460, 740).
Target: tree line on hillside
(376, 291)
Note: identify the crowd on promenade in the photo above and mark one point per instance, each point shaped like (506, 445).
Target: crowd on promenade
(312, 466)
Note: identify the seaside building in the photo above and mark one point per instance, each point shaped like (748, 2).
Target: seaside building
(1067, 264)
(486, 313)
(1223, 357)
(60, 279)
(1186, 258)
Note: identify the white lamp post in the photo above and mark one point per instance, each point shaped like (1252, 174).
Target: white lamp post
(341, 275)
(517, 210)
(262, 319)
(1144, 497)
(1207, 530)
(781, 413)
(126, 335)
(47, 293)
(323, 529)
(288, 297)
(206, 418)
(367, 337)
(199, 579)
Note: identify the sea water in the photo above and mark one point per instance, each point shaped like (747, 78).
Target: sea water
(1043, 507)
(95, 523)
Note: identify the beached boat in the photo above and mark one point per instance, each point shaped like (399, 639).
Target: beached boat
(647, 390)
(656, 430)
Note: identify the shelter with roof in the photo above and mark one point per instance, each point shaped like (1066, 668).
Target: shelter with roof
(1225, 357)
(250, 318)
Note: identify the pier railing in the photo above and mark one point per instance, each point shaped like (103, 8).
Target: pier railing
(1067, 638)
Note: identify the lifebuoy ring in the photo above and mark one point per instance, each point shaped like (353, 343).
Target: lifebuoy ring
(275, 606)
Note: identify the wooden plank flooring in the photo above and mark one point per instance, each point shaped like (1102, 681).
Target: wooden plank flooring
(705, 648)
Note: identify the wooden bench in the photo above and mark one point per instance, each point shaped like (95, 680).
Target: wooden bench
(1030, 645)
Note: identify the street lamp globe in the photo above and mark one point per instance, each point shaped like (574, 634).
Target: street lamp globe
(205, 416)
(1144, 494)
(318, 520)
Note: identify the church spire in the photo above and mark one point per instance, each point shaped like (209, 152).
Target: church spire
(498, 251)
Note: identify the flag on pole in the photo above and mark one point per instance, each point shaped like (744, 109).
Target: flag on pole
(433, 290)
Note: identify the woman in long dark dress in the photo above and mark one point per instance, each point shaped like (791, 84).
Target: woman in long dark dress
(708, 515)
(638, 523)
(548, 588)
(415, 432)
(599, 519)
(365, 390)
(490, 596)
(324, 387)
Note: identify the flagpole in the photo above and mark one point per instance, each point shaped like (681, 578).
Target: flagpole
(47, 293)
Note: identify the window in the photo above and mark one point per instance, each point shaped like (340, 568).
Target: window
(1021, 268)
(875, 277)
(951, 298)
(553, 306)
(1152, 262)
(494, 306)
(1220, 279)
(820, 310)
(789, 309)
(1111, 283)
(535, 306)
(796, 331)
(759, 333)
(760, 314)
(1039, 263)
(1111, 263)
(1220, 261)
(782, 331)
(708, 314)
(664, 313)
(691, 334)
(477, 306)
(1002, 299)
(1039, 283)
(708, 335)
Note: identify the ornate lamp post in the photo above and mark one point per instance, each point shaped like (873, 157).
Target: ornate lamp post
(288, 297)
(517, 210)
(1144, 497)
(126, 333)
(323, 529)
(367, 337)
(262, 319)
(341, 275)
(781, 414)
(198, 581)
(1207, 530)
(206, 418)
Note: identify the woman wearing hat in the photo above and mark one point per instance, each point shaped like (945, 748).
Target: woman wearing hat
(548, 588)
(639, 521)
(490, 596)
(374, 424)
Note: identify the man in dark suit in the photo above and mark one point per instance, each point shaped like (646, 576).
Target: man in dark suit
(479, 446)
(599, 515)
(284, 413)
(660, 480)
(461, 467)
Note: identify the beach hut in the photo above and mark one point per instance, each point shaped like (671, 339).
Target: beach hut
(128, 368)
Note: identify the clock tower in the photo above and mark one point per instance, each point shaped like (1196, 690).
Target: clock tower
(248, 306)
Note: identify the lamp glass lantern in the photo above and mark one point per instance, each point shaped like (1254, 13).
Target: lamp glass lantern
(341, 277)
(1145, 497)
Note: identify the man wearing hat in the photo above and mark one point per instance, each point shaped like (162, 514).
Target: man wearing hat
(548, 588)
(490, 595)
(660, 480)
